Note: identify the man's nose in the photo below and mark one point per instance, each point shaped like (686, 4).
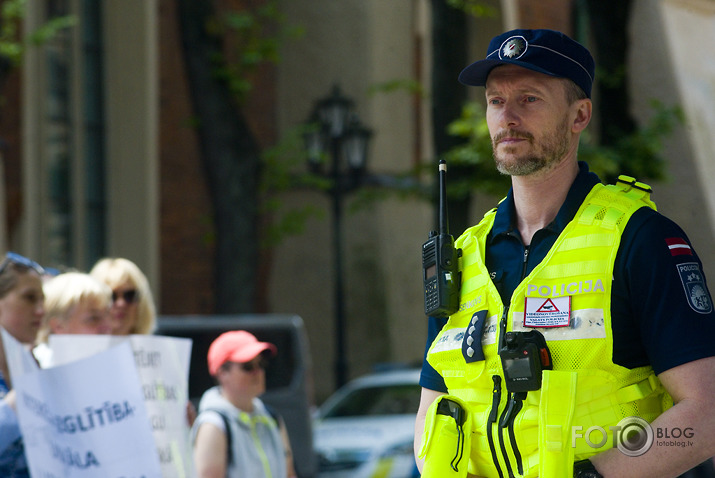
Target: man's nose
(510, 116)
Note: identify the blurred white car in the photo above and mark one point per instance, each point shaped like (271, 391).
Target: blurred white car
(366, 428)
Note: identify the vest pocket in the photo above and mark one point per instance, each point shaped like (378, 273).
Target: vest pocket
(556, 412)
(447, 439)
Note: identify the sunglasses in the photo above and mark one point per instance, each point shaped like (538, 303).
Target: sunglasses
(130, 296)
(249, 367)
(17, 259)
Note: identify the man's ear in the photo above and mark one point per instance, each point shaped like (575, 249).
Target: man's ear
(582, 116)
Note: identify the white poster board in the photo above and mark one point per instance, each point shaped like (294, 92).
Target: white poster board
(87, 419)
(163, 367)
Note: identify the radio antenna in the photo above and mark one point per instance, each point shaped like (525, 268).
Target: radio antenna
(443, 219)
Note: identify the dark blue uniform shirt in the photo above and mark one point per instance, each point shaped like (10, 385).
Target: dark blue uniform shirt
(662, 312)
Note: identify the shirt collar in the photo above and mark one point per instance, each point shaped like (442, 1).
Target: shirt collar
(505, 220)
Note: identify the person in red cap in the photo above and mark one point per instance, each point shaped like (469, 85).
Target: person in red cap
(235, 435)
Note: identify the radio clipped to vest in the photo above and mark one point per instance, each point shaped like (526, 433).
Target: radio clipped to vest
(440, 262)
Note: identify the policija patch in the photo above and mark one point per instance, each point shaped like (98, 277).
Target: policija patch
(695, 290)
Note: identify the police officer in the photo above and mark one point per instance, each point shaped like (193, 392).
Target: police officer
(585, 331)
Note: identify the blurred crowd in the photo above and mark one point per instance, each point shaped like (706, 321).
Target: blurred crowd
(234, 432)
(112, 298)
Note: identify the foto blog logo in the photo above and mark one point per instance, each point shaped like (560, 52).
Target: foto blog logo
(633, 436)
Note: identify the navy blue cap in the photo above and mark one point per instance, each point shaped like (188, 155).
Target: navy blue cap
(545, 51)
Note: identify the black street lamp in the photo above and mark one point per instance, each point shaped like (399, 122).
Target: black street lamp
(335, 130)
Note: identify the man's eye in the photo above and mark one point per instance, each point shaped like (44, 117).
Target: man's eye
(531, 99)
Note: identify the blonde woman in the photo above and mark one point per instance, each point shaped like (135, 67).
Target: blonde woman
(133, 310)
(75, 303)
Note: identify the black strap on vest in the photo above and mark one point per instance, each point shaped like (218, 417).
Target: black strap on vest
(227, 424)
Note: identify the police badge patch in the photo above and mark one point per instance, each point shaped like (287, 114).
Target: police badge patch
(513, 47)
(695, 290)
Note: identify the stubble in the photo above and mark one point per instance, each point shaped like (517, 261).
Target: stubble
(541, 156)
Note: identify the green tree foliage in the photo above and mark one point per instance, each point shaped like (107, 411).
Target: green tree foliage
(637, 154)
(283, 164)
(12, 47)
(476, 8)
(245, 40)
(252, 37)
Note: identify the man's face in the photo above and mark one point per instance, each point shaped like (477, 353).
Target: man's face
(529, 120)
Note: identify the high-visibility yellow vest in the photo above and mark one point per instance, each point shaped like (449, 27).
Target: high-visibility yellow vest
(569, 295)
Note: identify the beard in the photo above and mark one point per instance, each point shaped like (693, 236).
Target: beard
(542, 154)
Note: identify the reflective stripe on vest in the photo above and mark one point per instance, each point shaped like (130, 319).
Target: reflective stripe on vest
(575, 276)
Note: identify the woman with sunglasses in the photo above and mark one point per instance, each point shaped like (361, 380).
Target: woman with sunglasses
(235, 435)
(133, 310)
(21, 312)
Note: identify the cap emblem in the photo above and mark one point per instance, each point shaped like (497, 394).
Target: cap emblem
(513, 47)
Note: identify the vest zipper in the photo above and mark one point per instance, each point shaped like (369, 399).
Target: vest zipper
(514, 404)
(526, 259)
(496, 399)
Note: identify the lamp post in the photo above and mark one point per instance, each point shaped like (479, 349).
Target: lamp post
(336, 131)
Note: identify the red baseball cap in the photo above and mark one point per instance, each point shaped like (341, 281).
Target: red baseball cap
(235, 346)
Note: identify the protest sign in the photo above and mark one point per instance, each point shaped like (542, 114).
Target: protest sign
(163, 367)
(87, 419)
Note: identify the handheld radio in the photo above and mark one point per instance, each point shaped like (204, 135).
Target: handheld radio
(440, 264)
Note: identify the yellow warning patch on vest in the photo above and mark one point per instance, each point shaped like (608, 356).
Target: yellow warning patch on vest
(547, 312)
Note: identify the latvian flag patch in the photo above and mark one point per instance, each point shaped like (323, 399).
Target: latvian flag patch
(678, 246)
